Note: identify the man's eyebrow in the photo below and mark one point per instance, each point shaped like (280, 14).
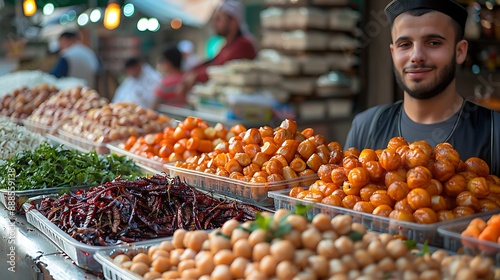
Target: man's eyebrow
(428, 36)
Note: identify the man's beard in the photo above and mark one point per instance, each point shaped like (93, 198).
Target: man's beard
(443, 80)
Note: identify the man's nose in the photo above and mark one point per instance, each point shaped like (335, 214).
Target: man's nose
(417, 54)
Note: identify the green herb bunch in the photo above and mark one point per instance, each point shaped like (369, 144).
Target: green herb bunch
(49, 166)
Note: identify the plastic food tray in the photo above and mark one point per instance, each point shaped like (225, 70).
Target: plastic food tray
(40, 128)
(154, 164)
(82, 254)
(85, 145)
(110, 270)
(413, 231)
(453, 241)
(255, 193)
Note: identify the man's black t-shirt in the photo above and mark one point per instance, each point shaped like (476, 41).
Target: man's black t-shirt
(474, 131)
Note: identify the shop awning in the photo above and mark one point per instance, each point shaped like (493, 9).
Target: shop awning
(191, 12)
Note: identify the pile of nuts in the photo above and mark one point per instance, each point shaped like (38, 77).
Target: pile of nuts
(65, 104)
(115, 121)
(23, 101)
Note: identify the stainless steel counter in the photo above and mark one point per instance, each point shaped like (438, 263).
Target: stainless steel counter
(25, 253)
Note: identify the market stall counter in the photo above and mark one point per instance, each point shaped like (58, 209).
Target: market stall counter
(26, 253)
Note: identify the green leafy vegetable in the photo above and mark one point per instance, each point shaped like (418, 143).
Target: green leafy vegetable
(410, 244)
(355, 235)
(301, 209)
(48, 167)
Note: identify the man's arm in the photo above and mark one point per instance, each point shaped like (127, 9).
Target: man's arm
(61, 68)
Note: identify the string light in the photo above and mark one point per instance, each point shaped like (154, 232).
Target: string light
(29, 7)
(112, 15)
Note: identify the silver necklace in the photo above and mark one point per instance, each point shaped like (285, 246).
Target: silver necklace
(452, 130)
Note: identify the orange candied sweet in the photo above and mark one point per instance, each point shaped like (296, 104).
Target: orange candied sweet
(443, 170)
(333, 200)
(363, 206)
(415, 156)
(425, 216)
(350, 200)
(358, 177)
(466, 198)
(380, 197)
(367, 155)
(402, 215)
(315, 196)
(390, 160)
(419, 198)
(396, 142)
(479, 186)
(383, 210)
(487, 204)
(398, 190)
(367, 191)
(455, 185)
(438, 203)
(338, 176)
(418, 177)
(445, 215)
(477, 166)
(375, 170)
(352, 152)
(463, 211)
(295, 191)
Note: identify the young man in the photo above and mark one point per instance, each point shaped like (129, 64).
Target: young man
(427, 45)
(139, 84)
(229, 23)
(76, 60)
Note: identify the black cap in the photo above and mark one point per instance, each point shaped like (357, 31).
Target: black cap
(448, 7)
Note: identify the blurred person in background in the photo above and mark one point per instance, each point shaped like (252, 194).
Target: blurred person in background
(139, 85)
(170, 64)
(76, 59)
(189, 57)
(228, 22)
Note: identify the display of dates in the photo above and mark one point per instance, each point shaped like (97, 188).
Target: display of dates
(65, 104)
(23, 101)
(115, 122)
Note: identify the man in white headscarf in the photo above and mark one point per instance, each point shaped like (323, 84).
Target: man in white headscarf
(228, 22)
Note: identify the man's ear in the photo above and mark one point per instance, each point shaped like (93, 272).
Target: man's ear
(391, 47)
(461, 51)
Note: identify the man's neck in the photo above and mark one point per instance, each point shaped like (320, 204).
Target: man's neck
(434, 110)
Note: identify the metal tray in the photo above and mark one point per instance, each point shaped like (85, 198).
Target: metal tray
(414, 231)
(113, 147)
(81, 254)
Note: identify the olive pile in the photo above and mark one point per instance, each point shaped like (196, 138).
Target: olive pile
(324, 248)
(411, 182)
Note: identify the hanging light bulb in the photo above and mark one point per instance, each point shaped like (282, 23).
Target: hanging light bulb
(112, 15)
(29, 7)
